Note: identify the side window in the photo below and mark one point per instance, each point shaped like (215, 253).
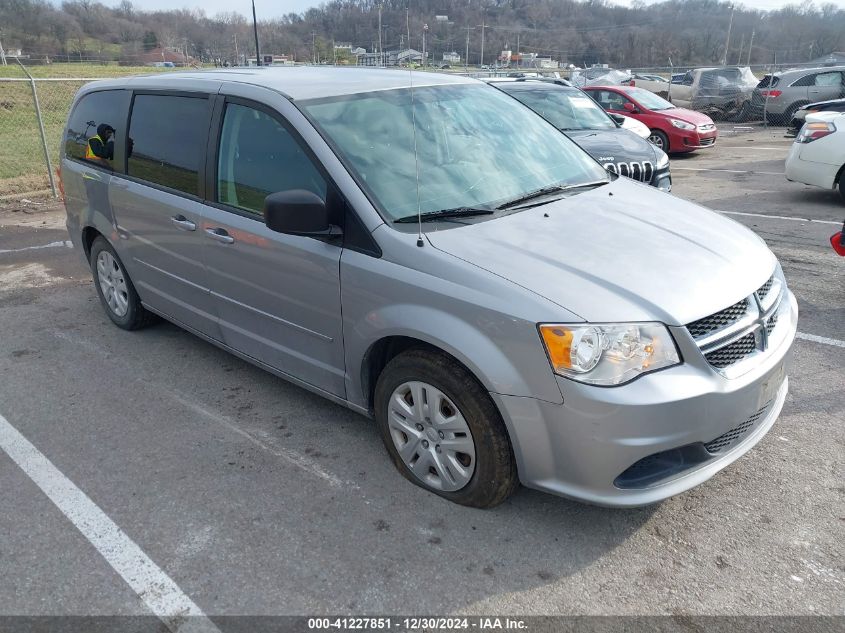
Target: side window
(257, 157)
(828, 79)
(93, 126)
(167, 137)
(807, 80)
(688, 79)
(611, 100)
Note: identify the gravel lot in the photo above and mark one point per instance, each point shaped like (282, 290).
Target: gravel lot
(256, 497)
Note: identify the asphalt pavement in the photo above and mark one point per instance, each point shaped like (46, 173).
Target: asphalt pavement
(251, 496)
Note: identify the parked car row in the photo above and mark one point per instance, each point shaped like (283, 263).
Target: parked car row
(440, 258)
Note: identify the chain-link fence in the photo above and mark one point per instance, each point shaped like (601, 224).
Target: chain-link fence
(33, 111)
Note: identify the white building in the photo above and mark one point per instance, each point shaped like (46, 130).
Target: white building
(451, 58)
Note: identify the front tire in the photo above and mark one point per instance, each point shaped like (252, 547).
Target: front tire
(114, 287)
(442, 430)
(659, 139)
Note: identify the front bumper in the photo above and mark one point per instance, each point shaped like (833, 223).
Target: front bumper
(580, 448)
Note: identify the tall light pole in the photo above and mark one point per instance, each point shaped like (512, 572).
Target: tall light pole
(728, 40)
(255, 32)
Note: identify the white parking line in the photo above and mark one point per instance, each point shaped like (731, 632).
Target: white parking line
(158, 591)
(730, 171)
(780, 217)
(820, 339)
(66, 243)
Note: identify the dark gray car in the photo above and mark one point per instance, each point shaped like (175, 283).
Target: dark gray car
(575, 114)
(439, 258)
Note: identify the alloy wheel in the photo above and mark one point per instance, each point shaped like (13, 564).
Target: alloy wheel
(113, 283)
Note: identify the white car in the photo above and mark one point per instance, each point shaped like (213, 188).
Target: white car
(637, 127)
(817, 156)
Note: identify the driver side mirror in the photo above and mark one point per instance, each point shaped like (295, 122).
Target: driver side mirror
(299, 212)
(630, 107)
(618, 118)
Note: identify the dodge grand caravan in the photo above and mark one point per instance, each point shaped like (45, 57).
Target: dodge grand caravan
(437, 256)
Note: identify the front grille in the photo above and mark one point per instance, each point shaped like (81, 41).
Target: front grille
(733, 353)
(717, 321)
(763, 290)
(643, 172)
(706, 141)
(729, 439)
(771, 323)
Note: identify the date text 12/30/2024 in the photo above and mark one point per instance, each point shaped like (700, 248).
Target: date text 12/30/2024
(415, 624)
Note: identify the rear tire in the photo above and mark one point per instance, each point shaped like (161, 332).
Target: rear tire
(659, 139)
(424, 399)
(115, 289)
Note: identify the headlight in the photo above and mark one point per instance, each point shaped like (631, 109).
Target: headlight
(682, 124)
(608, 354)
(662, 158)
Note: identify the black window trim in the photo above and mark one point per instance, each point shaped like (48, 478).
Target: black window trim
(119, 160)
(347, 213)
(200, 94)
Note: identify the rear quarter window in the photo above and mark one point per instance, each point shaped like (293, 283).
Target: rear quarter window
(96, 123)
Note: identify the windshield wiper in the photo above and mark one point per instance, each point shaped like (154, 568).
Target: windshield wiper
(457, 212)
(539, 193)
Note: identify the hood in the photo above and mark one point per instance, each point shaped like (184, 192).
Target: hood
(690, 116)
(636, 255)
(614, 145)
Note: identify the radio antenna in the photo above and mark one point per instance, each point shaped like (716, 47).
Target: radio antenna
(420, 241)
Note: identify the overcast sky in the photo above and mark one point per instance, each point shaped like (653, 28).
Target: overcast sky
(275, 8)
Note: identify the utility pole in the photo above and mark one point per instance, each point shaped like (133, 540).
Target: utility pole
(741, 47)
(425, 28)
(408, 26)
(482, 39)
(255, 31)
(313, 47)
(380, 49)
(2, 54)
(237, 56)
(750, 44)
(466, 57)
(518, 57)
(728, 40)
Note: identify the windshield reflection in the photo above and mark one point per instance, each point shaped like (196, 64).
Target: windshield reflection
(476, 147)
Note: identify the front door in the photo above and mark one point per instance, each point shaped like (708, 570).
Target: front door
(277, 296)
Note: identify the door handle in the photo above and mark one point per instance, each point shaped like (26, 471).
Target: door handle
(220, 235)
(181, 222)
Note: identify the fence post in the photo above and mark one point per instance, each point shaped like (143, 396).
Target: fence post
(41, 129)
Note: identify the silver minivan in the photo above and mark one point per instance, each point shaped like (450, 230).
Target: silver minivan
(429, 252)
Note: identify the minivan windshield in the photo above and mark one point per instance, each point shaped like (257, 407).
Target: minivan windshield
(565, 108)
(475, 147)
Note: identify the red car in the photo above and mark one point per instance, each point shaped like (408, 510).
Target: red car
(672, 129)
